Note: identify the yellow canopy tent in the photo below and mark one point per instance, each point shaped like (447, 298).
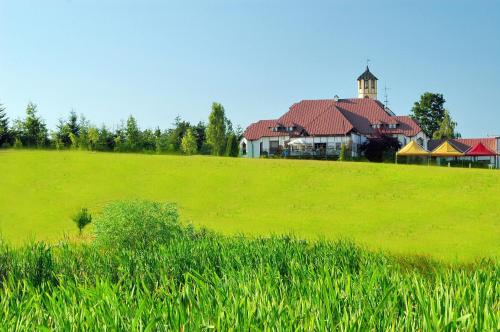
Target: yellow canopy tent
(446, 150)
(413, 149)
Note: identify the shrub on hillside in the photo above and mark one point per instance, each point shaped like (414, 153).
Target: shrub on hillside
(136, 225)
(82, 219)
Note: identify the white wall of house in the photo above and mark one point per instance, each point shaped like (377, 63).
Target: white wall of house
(253, 148)
(329, 140)
(353, 140)
(357, 140)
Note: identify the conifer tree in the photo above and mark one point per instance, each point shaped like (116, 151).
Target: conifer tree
(4, 127)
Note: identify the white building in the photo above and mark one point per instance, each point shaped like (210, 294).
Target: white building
(313, 126)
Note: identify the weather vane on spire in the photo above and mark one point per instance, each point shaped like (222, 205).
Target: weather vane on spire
(367, 62)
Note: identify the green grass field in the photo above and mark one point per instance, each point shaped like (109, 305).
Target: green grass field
(451, 214)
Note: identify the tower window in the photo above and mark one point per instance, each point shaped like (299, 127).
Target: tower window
(366, 84)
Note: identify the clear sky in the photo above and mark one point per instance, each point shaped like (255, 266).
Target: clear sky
(158, 59)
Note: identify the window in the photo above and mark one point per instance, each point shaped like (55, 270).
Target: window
(338, 146)
(244, 149)
(273, 147)
(420, 141)
(320, 148)
(366, 84)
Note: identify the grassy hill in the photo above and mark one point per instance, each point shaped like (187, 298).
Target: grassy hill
(453, 214)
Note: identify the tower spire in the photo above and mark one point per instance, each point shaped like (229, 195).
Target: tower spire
(367, 84)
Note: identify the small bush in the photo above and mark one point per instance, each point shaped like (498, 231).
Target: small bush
(82, 219)
(136, 225)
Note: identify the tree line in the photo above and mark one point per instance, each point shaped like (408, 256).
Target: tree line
(217, 137)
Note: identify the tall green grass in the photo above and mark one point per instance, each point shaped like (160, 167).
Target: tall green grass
(198, 280)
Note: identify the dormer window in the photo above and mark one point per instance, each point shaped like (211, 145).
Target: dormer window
(283, 128)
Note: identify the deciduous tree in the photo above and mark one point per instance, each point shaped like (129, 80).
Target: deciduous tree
(446, 128)
(429, 112)
(188, 143)
(216, 129)
(232, 148)
(93, 137)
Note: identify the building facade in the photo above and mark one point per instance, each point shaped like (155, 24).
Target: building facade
(313, 127)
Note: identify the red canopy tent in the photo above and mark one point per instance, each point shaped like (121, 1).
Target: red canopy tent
(479, 150)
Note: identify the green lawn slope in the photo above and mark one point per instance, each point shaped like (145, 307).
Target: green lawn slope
(451, 214)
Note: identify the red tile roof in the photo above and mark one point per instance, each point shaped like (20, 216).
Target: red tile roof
(329, 117)
(317, 117)
(406, 126)
(260, 129)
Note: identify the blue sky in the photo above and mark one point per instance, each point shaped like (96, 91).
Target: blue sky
(158, 59)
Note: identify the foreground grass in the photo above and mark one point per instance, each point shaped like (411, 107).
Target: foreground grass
(203, 281)
(146, 271)
(450, 214)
